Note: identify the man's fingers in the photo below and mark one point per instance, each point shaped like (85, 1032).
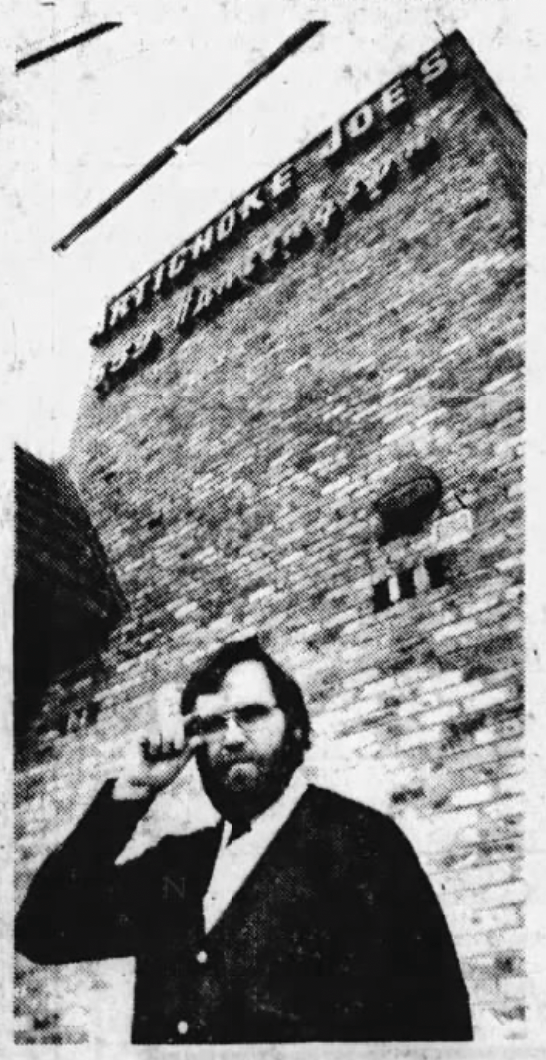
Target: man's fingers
(169, 720)
(196, 741)
(168, 738)
(150, 743)
(152, 739)
(167, 741)
(178, 734)
(172, 734)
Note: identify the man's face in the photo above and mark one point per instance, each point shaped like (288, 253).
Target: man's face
(244, 731)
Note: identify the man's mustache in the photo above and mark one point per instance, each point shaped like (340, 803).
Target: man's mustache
(236, 760)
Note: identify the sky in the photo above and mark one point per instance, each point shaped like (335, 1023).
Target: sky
(74, 127)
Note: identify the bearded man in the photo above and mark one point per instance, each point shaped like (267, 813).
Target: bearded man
(301, 916)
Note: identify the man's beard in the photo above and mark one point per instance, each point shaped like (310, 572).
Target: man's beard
(249, 786)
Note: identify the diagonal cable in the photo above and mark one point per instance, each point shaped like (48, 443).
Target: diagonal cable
(64, 45)
(287, 48)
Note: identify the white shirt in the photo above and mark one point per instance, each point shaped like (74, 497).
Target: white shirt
(235, 861)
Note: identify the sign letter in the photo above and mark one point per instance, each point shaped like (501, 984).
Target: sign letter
(252, 205)
(395, 102)
(229, 288)
(297, 238)
(202, 244)
(205, 302)
(435, 66)
(421, 151)
(121, 309)
(358, 196)
(179, 265)
(382, 179)
(99, 376)
(160, 276)
(184, 319)
(360, 122)
(226, 225)
(252, 266)
(283, 185)
(272, 251)
(334, 147)
(330, 219)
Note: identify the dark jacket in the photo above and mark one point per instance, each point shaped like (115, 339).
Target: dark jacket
(336, 935)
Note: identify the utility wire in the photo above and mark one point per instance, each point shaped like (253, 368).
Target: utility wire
(263, 69)
(64, 45)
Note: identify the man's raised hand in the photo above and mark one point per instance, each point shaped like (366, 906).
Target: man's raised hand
(159, 753)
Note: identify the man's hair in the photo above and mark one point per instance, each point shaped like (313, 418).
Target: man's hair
(288, 695)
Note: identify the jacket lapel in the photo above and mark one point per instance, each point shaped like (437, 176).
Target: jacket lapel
(286, 868)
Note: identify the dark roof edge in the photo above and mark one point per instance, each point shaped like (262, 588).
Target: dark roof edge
(56, 474)
(458, 35)
(23, 456)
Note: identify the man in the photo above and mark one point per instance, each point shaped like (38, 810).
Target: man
(303, 916)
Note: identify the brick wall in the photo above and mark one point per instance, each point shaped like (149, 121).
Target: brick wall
(232, 484)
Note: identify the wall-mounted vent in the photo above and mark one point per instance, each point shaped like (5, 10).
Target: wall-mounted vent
(408, 582)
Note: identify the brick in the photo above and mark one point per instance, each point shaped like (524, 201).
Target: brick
(502, 918)
(478, 606)
(485, 875)
(411, 708)
(445, 680)
(513, 785)
(418, 739)
(339, 719)
(394, 380)
(455, 629)
(508, 807)
(462, 691)
(476, 757)
(502, 381)
(510, 563)
(508, 443)
(438, 715)
(473, 796)
(493, 697)
(515, 987)
(507, 894)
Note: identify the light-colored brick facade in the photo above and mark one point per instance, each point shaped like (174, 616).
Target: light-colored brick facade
(232, 482)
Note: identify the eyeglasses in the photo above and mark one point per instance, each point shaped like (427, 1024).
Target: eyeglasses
(247, 717)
